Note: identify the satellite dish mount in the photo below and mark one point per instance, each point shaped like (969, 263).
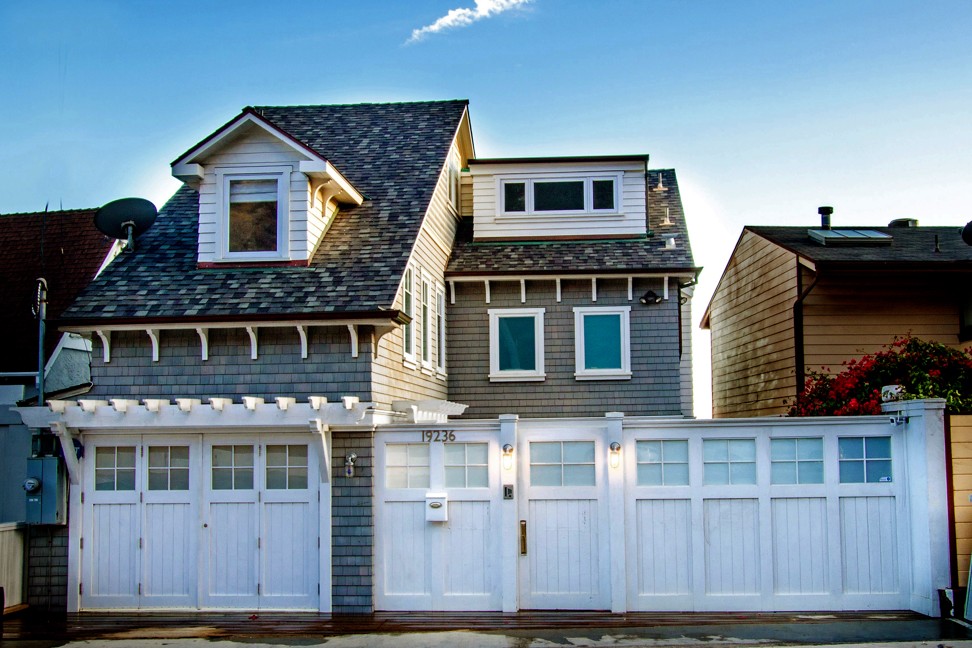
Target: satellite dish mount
(126, 219)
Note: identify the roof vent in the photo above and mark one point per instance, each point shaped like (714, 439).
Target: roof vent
(825, 213)
(904, 222)
(967, 233)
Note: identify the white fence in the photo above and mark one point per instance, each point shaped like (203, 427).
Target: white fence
(13, 537)
(671, 514)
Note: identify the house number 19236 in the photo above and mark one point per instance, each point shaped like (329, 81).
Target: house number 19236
(438, 436)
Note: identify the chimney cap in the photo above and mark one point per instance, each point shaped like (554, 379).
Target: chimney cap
(825, 210)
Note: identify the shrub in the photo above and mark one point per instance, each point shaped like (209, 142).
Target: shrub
(923, 369)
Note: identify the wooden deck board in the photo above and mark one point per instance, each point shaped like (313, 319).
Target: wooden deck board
(149, 625)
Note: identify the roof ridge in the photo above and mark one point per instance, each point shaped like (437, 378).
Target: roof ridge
(56, 212)
(364, 103)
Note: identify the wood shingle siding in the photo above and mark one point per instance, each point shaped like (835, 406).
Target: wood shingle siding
(654, 388)
(961, 491)
(753, 351)
(329, 370)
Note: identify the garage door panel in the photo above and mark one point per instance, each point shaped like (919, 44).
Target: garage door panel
(232, 549)
(664, 546)
(404, 558)
(467, 561)
(800, 556)
(869, 545)
(114, 551)
(169, 562)
(731, 546)
(289, 570)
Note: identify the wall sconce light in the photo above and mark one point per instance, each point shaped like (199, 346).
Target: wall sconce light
(650, 298)
(507, 457)
(349, 460)
(615, 456)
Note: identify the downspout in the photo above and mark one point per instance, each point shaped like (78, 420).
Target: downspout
(687, 284)
(798, 350)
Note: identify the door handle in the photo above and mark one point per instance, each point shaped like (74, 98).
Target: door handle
(523, 538)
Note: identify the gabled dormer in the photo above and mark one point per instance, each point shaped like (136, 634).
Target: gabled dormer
(264, 196)
(559, 198)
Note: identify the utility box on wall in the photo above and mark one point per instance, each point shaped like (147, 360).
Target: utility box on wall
(46, 488)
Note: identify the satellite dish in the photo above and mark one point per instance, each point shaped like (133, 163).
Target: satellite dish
(126, 219)
(967, 233)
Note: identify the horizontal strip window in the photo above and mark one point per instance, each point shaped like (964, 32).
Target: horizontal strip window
(596, 194)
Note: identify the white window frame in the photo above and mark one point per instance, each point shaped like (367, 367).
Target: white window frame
(408, 330)
(224, 178)
(581, 372)
(530, 180)
(440, 320)
(495, 375)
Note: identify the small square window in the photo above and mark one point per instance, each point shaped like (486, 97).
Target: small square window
(516, 344)
(407, 465)
(562, 463)
(662, 463)
(864, 459)
(115, 468)
(286, 467)
(232, 467)
(601, 343)
(168, 468)
(796, 461)
(728, 461)
(466, 465)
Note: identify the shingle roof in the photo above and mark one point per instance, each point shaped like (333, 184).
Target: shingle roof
(586, 256)
(392, 153)
(909, 245)
(73, 251)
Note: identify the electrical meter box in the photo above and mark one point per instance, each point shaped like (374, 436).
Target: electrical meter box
(46, 489)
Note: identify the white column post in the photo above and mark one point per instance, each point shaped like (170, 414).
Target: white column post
(927, 492)
(616, 532)
(509, 516)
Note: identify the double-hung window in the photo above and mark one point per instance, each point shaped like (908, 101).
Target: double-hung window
(253, 223)
(560, 194)
(516, 344)
(602, 346)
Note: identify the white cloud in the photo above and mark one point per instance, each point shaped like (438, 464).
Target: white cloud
(463, 16)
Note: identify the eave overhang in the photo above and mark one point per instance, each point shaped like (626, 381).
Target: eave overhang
(190, 166)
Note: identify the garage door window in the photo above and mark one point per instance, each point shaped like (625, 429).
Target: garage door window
(286, 467)
(168, 468)
(115, 468)
(729, 461)
(233, 467)
(663, 463)
(466, 465)
(567, 463)
(407, 465)
(864, 459)
(796, 461)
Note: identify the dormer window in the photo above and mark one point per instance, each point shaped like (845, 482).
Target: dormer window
(560, 195)
(253, 220)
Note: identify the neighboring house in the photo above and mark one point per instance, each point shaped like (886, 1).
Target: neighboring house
(330, 286)
(794, 299)
(66, 250)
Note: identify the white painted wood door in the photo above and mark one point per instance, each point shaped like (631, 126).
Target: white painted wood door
(451, 565)
(260, 535)
(111, 525)
(563, 506)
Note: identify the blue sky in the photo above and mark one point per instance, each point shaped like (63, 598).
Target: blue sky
(766, 109)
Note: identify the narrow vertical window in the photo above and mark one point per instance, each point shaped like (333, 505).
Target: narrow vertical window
(426, 325)
(407, 338)
(453, 185)
(440, 328)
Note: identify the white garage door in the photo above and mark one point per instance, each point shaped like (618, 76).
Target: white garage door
(190, 521)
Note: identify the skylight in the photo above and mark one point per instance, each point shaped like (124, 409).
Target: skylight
(849, 237)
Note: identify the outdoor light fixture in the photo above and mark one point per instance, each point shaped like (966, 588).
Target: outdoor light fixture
(615, 454)
(507, 457)
(650, 298)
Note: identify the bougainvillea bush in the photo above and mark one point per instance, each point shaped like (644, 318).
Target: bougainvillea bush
(923, 369)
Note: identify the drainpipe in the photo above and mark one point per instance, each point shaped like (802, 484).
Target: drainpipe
(802, 294)
(41, 326)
